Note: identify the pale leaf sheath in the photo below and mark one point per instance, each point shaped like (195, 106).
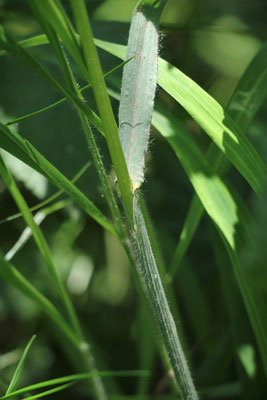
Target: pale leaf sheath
(138, 92)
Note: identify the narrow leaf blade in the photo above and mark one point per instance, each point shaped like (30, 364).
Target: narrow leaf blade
(17, 374)
(14, 144)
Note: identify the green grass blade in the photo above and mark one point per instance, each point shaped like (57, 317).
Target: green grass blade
(50, 198)
(16, 377)
(215, 122)
(48, 392)
(38, 219)
(249, 94)
(210, 116)
(78, 377)
(53, 12)
(103, 103)
(214, 196)
(194, 215)
(34, 41)
(14, 144)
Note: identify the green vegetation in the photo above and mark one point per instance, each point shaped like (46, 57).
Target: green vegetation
(147, 277)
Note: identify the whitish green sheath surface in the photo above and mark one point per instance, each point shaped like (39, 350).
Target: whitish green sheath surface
(138, 90)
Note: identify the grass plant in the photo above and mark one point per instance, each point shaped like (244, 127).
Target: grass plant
(126, 217)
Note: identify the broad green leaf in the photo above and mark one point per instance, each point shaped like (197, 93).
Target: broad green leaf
(16, 377)
(209, 115)
(14, 144)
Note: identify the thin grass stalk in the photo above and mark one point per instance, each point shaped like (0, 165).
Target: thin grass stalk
(103, 103)
(51, 198)
(151, 282)
(162, 269)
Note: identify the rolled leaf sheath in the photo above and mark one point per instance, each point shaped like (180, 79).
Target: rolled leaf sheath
(138, 91)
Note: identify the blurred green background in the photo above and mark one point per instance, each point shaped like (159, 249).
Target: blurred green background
(211, 41)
